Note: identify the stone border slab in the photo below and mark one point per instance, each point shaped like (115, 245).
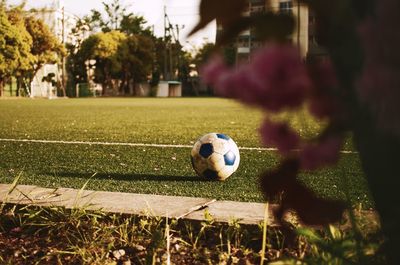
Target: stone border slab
(139, 204)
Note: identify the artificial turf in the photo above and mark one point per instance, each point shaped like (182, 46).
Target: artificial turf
(150, 169)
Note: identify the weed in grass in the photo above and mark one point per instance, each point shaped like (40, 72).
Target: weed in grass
(12, 188)
(265, 229)
(51, 234)
(80, 236)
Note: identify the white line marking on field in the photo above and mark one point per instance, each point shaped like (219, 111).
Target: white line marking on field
(135, 144)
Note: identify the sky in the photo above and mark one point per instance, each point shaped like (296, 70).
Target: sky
(183, 13)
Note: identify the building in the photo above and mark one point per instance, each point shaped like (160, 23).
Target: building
(247, 42)
(314, 49)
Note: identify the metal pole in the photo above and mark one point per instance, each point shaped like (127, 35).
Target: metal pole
(298, 25)
(63, 70)
(77, 90)
(165, 43)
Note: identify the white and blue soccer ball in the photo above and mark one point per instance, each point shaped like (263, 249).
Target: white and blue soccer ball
(215, 156)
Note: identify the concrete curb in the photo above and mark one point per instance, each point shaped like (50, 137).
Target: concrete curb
(138, 204)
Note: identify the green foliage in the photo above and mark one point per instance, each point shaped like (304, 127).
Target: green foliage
(116, 17)
(15, 44)
(7, 37)
(26, 44)
(124, 50)
(118, 56)
(105, 45)
(143, 56)
(132, 24)
(103, 48)
(25, 59)
(45, 46)
(204, 53)
(335, 246)
(135, 57)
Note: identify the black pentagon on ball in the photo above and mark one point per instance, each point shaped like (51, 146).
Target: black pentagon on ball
(210, 174)
(223, 136)
(206, 150)
(229, 158)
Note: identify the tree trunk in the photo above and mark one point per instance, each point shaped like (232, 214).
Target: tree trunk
(126, 85)
(107, 81)
(64, 78)
(10, 83)
(62, 88)
(131, 87)
(1, 86)
(104, 86)
(379, 154)
(19, 82)
(121, 88)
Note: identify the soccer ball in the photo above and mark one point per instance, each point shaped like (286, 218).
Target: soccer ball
(215, 156)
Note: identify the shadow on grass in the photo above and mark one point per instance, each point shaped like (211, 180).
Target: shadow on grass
(127, 177)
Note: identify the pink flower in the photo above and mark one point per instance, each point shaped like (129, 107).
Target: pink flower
(212, 71)
(274, 79)
(278, 73)
(279, 134)
(325, 152)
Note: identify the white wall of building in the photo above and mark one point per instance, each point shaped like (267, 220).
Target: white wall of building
(44, 89)
(60, 24)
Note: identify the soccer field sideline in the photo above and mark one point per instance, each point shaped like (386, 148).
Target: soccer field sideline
(137, 144)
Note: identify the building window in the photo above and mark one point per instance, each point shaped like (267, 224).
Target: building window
(312, 39)
(285, 7)
(257, 9)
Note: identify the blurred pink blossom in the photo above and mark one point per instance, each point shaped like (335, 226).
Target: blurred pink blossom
(280, 135)
(274, 79)
(324, 152)
(379, 84)
(213, 71)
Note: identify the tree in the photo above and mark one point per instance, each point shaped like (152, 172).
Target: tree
(114, 11)
(15, 46)
(103, 48)
(128, 59)
(204, 53)
(136, 57)
(116, 17)
(133, 25)
(28, 44)
(74, 64)
(7, 53)
(129, 62)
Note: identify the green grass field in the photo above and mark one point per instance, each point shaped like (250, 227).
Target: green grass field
(149, 169)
